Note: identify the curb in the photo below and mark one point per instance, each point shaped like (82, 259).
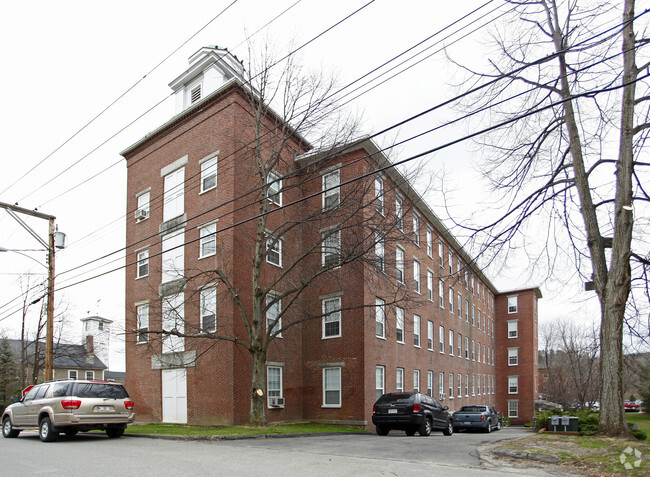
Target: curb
(242, 437)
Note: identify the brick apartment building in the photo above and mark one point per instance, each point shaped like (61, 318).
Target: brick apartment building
(413, 313)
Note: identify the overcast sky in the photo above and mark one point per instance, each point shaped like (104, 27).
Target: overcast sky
(65, 62)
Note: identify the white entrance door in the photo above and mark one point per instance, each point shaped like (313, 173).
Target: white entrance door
(174, 395)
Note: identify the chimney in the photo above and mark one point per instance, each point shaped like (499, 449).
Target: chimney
(88, 345)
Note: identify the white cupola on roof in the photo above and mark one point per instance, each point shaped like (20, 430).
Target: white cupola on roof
(210, 68)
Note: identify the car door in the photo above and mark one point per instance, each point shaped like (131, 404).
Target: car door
(20, 411)
(439, 415)
(33, 407)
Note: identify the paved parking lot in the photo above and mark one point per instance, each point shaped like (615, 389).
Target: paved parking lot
(344, 455)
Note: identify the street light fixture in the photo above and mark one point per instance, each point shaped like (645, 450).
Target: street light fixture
(56, 240)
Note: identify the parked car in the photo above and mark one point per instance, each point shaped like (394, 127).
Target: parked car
(632, 406)
(477, 417)
(411, 412)
(69, 406)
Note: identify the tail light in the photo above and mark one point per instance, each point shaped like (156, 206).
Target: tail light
(128, 405)
(416, 408)
(374, 409)
(71, 404)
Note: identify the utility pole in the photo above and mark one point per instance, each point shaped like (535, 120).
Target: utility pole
(55, 240)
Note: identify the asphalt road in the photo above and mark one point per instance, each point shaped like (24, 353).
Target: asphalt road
(340, 455)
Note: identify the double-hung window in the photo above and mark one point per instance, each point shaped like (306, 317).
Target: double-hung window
(441, 384)
(513, 356)
(441, 338)
(399, 325)
(380, 373)
(142, 312)
(430, 285)
(380, 318)
(331, 387)
(174, 194)
(429, 242)
(173, 256)
(416, 230)
(441, 293)
(331, 190)
(274, 250)
(441, 253)
(379, 194)
(273, 318)
(274, 386)
(209, 174)
(460, 345)
(450, 263)
(274, 187)
(512, 304)
(430, 335)
(512, 329)
(451, 385)
(430, 383)
(143, 206)
(416, 276)
(399, 264)
(332, 248)
(451, 342)
(451, 300)
(416, 380)
(208, 235)
(209, 310)
(466, 347)
(513, 384)
(332, 317)
(399, 380)
(459, 385)
(143, 264)
(399, 213)
(379, 251)
(416, 331)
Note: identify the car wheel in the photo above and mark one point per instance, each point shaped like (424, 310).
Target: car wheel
(410, 431)
(425, 428)
(488, 428)
(498, 425)
(113, 432)
(449, 430)
(8, 429)
(382, 430)
(45, 431)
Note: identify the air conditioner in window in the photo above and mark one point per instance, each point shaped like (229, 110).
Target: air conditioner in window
(276, 401)
(141, 214)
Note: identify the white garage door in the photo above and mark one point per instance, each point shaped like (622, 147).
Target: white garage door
(174, 395)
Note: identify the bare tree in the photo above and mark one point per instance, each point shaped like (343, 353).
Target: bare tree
(561, 92)
(298, 150)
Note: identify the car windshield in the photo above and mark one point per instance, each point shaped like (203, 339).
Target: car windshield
(472, 409)
(395, 398)
(100, 390)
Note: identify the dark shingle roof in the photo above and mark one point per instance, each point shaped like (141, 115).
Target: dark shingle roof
(65, 355)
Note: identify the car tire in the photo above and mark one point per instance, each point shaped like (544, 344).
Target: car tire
(46, 431)
(488, 428)
(425, 428)
(410, 431)
(498, 425)
(382, 430)
(449, 430)
(113, 432)
(8, 428)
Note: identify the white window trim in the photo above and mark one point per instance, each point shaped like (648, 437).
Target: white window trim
(202, 238)
(214, 156)
(138, 260)
(281, 396)
(399, 324)
(340, 317)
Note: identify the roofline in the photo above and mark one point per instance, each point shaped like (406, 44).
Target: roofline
(537, 291)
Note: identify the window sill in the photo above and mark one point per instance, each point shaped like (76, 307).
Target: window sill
(330, 337)
(207, 190)
(207, 256)
(331, 406)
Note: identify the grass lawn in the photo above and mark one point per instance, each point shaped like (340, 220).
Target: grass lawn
(180, 430)
(642, 420)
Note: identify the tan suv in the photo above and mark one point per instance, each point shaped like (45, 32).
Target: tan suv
(69, 406)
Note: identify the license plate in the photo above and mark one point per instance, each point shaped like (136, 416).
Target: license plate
(392, 411)
(104, 408)
(467, 423)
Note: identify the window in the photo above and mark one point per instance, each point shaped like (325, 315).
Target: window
(416, 230)
(173, 314)
(484, 362)
(467, 311)
(472, 285)
(459, 343)
(209, 174)
(72, 374)
(174, 195)
(451, 342)
(399, 264)
(399, 213)
(379, 381)
(274, 250)
(513, 408)
(331, 387)
(429, 242)
(484, 380)
(416, 380)
(441, 293)
(441, 384)
(441, 338)
(460, 306)
(208, 236)
(379, 251)
(416, 276)
(416, 331)
(143, 264)
(332, 317)
(273, 319)
(478, 385)
(466, 347)
(274, 188)
(451, 300)
(513, 356)
(332, 248)
(512, 304)
(90, 375)
(173, 256)
(479, 319)
(379, 194)
(512, 329)
(473, 315)
(441, 253)
(450, 263)
(513, 384)
(430, 335)
(451, 385)
(399, 380)
(142, 312)
(459, 385)
(209, 310)
(143, 207)
(473, 350)
(473, 385)
(466, 279)
(478, 358)
(430, 285)
(274, 386)
(430, 383)
(466, 385)
(380, 318)
(331, 191)
(399, 326)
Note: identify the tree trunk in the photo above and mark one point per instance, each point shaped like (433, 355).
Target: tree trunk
(612, 412)
(257, 416)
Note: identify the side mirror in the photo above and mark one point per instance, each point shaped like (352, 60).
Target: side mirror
(445, 408)
(15, 399)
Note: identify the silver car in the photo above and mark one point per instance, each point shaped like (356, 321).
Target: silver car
(70, 406)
